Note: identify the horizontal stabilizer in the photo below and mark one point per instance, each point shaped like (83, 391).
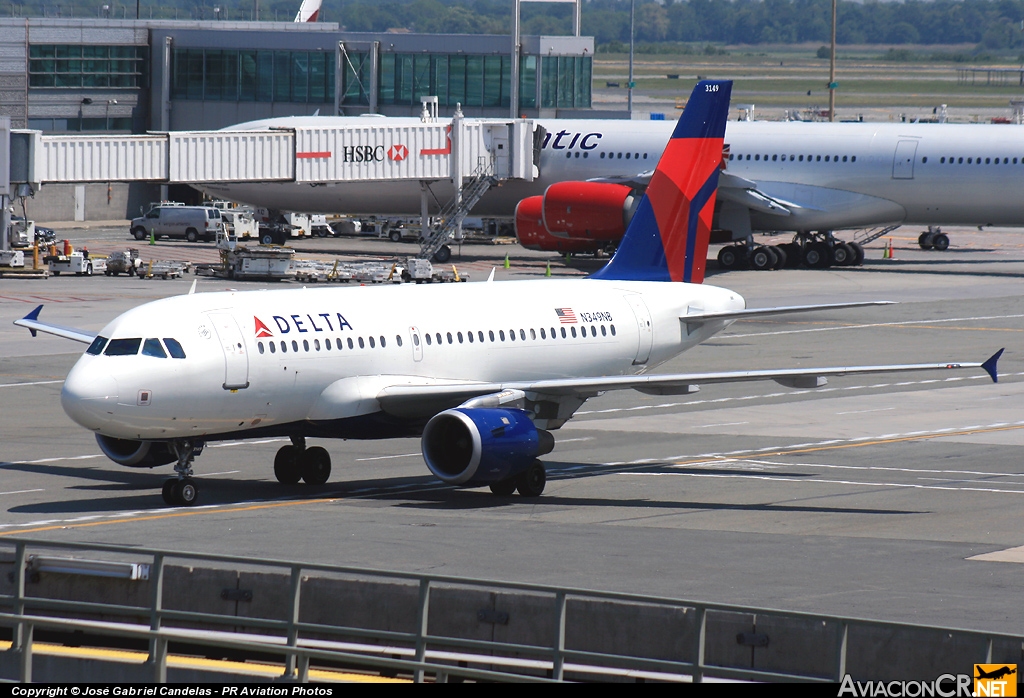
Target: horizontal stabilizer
(32, 323)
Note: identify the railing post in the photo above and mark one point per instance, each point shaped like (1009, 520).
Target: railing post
(26, 654)
(698, 653)
(19, 595)
(421, 628)
(842, 635)
(293, 619)
(157, 645)
(558, 664)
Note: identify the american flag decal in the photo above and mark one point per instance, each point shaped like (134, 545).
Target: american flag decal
(566, 316)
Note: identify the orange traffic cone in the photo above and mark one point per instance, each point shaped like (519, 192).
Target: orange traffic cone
(891, 254)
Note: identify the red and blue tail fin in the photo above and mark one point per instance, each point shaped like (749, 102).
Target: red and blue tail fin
(667, 239)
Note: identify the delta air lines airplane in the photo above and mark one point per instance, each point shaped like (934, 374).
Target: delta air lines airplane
(483, 372)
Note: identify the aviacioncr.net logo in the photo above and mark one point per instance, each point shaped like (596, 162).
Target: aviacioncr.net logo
(945, 686)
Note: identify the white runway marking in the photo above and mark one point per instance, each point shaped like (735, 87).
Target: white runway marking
(18, 385)
(22, 491)
(855, 483)
(879, 409)
(400, 455)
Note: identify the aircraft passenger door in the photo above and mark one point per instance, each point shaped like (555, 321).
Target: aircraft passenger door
(499, 149)
(644, 327)
(236, 360)
(417, 344)
(903, 160)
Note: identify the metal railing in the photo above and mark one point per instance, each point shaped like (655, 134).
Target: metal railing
(417, 652)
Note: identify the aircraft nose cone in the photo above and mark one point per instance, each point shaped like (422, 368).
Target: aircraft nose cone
(89, 397)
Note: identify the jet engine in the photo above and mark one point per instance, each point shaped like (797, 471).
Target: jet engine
(480, 446)
(532, 234)
(588, 210)
(135, 454)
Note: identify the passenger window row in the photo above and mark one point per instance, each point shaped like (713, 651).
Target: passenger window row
(130, 347)
(471, 337)
(974, 161)
(618, 156)
(328, 344)
(521, 334)
(795, 158)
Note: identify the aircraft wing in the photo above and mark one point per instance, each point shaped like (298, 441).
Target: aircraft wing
(34, 325)
(424, 400)
(699, 318)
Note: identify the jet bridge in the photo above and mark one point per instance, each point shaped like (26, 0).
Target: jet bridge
(391, 150)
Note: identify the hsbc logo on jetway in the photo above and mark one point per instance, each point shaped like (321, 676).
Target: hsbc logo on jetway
(362, 153)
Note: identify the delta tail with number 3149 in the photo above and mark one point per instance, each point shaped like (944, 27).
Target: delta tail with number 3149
(484, 372)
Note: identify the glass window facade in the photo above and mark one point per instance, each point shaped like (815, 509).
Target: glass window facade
(565, 82)
(403, 78)
(469, 80)
(70, 65)
(252, 75)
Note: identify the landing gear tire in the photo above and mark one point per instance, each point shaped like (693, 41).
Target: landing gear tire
(504, 488)
(443, 254)
(940, 242)
(531, 482)
(781, 258)
(858, 253)
(186, 492)
(794, 253)
(762, 258)
(816, 256)
(315, 464)
(924, 240)
(166, 493)
(731, 257)
(286, 465)
(842, 254)
(181, 493)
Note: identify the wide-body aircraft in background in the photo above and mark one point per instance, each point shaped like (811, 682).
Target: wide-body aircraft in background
(808, 178)
(483, 372)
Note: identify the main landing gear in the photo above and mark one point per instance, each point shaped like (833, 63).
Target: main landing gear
(296, 462)
(183, 491)
(530, 482)
(814, 250)
(933, 239)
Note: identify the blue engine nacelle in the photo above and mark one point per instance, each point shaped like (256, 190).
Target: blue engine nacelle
(480, 446)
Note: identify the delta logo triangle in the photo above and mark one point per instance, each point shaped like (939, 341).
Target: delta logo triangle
(261, 329)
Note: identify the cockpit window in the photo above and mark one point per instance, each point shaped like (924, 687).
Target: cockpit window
(174, 348)
(96, 348)
(123, 347)
(151, 347)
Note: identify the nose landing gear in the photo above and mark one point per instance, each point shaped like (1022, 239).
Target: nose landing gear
(183, 491)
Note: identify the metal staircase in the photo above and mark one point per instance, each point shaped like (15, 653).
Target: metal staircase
(452, 215)
(863, 237)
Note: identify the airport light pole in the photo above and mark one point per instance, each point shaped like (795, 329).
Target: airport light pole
(629, 84)
(832, 85)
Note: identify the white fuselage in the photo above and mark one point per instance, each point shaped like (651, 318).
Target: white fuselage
(261, 362)
(886, 173)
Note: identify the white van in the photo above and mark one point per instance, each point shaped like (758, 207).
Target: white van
(190, 222)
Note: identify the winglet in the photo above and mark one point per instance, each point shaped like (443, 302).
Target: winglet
(34, 315)
(990, 365)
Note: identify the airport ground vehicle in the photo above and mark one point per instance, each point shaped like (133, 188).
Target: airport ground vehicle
(123, 262)
(193, 223)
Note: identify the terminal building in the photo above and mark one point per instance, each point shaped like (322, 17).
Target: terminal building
(132, 76)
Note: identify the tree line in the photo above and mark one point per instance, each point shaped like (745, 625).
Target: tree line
(991, 24)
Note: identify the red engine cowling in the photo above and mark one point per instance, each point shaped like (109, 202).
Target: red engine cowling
(533, 235)
(588, 210)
